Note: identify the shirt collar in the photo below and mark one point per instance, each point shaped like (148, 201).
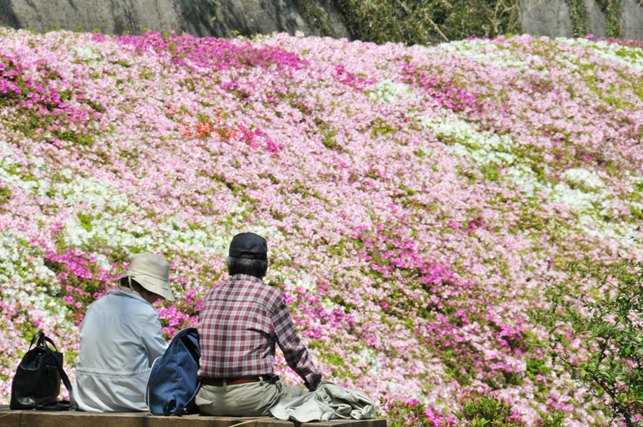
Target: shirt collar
(131, 293)
(245, 278)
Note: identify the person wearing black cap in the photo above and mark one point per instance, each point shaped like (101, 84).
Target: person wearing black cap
(241, 320)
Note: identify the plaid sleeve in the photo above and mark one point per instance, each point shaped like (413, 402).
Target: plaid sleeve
(294, 350)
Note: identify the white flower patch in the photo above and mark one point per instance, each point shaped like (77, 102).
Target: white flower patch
(8, 168)
(307, 283)
(26, 280)
(91, 199)
(525, 178)
(95, 195)
(291, 279)
(102, 262)
(629, 57)
(577, 199)
(635, 181)
(582, 190)
(621, 232)
(584, 179)
(594, 203)
(484, 148)
(488, 53)
(100, 204)
(182, 238)
(389, 91)
(87, 54)
(110, 229)
(368, 357)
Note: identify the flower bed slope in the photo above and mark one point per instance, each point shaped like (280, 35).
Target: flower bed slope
(418, 202)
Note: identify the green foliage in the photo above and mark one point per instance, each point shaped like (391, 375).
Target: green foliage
(328, 136)
(456, 366)
(85, 220)
(490, 171)
(486, 410)
(612, 11)
(608, 324)
(428, 21)
(580, 17)
(74, 137)
(380, 127)
(552, 419)
(413, 413)
(5, 195)
(536, 367)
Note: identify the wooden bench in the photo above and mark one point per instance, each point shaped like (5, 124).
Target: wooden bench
(33, 418)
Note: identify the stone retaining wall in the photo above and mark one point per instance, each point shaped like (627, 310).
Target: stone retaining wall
(225, 18)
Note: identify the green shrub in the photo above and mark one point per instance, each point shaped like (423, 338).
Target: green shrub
(486, 410)
(607, 323)
(5, 195)
(428, 21)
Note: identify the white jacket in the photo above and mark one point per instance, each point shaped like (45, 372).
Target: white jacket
(327, 402)
(119, 339)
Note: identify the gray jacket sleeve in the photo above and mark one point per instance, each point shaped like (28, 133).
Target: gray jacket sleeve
(152, 337)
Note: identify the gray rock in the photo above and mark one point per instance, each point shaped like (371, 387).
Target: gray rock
(596, 19)
(546, 18)
(631, 19)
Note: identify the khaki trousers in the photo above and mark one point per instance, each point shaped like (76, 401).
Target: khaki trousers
(251, 399)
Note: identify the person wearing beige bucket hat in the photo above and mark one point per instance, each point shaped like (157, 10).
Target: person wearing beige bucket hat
(120, 337)
(152, 273)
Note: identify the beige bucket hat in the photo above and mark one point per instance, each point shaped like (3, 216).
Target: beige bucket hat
(152, 273)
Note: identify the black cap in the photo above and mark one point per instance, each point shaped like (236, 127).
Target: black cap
(249, 246)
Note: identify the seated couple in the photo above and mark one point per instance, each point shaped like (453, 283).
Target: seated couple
(240, 322)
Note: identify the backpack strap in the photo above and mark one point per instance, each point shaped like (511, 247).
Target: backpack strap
(196, 391)
(147, 387)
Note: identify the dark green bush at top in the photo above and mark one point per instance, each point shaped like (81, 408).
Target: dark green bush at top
(429, 21)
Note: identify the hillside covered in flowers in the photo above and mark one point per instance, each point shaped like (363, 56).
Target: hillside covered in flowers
(423, 206)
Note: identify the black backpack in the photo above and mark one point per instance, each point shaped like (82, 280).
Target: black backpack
(36, 383)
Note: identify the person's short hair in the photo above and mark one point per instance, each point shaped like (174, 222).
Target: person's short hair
(251, 267)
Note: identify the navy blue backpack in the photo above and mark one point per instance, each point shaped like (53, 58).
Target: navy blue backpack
(173, 382)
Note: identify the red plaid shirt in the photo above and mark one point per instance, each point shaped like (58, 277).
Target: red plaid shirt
(240, 322)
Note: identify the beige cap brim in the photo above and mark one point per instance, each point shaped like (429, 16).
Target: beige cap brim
(152, 284)
(152, 273)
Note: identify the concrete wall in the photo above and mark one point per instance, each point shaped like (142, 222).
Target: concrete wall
(267, 16)
(546, 18)
(632, 19)
(225, 18)
(552, 18)
(108, 16)
(221, 18)
(597, 19)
